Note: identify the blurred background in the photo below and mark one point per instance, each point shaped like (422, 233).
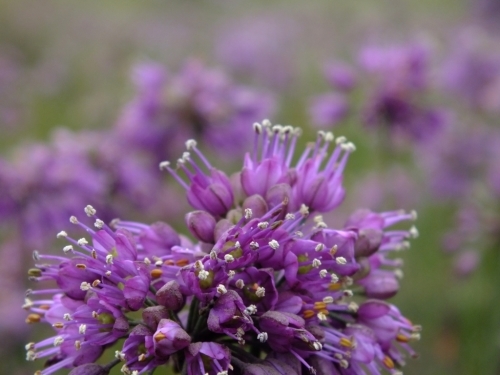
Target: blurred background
(94, 94)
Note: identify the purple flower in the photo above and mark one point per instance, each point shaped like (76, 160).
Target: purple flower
(168, 339)
(197, 101)
(328, 109)
(207, 358)
(266, 280)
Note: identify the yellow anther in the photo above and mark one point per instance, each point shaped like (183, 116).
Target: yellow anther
(159, 336)
(346, 343)
(402, 338)
(156, 273)
(308, 314)
(334, 286)
(81, 266)
(388, 362)
(182, 262)
(319, 305)
(33, 318)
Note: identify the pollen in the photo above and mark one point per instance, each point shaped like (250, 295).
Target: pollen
(388, 362)
(156, 273)
(308, 314)
(346, 343)
(33, 318)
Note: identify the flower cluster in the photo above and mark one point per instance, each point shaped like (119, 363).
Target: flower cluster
(266, 287)
(196, 102)
(394, 100)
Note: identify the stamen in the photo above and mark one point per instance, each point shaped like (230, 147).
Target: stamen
(262, 337)
(274, 244)
(90, 211)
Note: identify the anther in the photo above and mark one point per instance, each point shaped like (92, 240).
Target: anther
(164, 165)
(68, 248)
(85, 286)
(413, 232)
(414, 215)
(250, 310)
(316, 263)
(240, 284)
(262, 337)
(319, 247)
(248, 213)
(340, 260)
(228, 258)
(82, 242)
(263, 225)
(82, 329)
(221, 289)
(89, 210)
(257, 128)
(203, 275)
(274, 244)
(99, 224)
(328, 299)
(73, 220)
(190, 144)
(260, 292)
(157, 273)
(340, 140)
(58, 341)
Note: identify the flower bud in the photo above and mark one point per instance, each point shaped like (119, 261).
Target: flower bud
(221, 227)
(368, 242)
(169, 338)
(201, 225)
(152, 315)
(380, 284)
(257, 204)
(158, 237)
(213, 194)
(278, 194)
(170, 296)
(135, 290)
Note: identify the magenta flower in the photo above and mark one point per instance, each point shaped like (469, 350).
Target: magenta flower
(266, 290)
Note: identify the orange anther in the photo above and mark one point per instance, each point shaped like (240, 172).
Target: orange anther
(308, 314)
(33, 318)
(156, 273)
(388, 362)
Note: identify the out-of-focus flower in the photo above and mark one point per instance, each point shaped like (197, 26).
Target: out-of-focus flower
(392, 83)
(196, 102)
(259, 48)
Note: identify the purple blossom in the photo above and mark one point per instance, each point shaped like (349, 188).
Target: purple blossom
(268, 279)
(196, 102)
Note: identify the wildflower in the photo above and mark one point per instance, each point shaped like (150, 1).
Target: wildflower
(266, 290)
